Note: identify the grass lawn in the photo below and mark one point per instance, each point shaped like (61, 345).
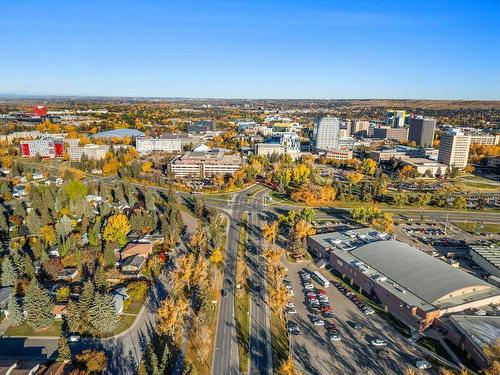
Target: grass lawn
(25, 330)
(134, 307)
(2, 316)
(478, 182)
(279, 341)
(124, 322)
(434, 346)
(477, 227)
(242, 304)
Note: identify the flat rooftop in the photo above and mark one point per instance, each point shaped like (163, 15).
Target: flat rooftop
(481, 330)
(415, 277)
(491, 254)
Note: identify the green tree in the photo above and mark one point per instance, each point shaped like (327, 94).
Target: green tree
(102, 314)
(10, 275)
(460, 203)
(38, 306)
(76, 190)
(109, 257)
(100, 279)
(400, 199)
(63, 350)
(14, 310)
(33, 222)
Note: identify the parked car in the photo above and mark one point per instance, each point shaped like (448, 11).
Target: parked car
(334, 336)
(328, 314)
(290, 310)
(317, 321)
(378, 342)
(290, 304)
(74, 338)
(308, 286)
(422, 364)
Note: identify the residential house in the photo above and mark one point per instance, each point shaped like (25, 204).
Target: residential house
(67, 274)
(5, 293)
(119, 295)
(142, 249)
(154, 237)
(59, 310)
(133, 264)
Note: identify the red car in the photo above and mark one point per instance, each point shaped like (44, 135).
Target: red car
(325, 309)
(321, 292)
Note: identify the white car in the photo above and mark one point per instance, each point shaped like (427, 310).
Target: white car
(378, 342)
(323, 298)
(308, 286)
(290, 305)
(74, 338)
(290, 310)
(422, 364)
(334, 337)
(290, 292)
(288, 286)
(480, 312)
(368, 311)
(318, 322)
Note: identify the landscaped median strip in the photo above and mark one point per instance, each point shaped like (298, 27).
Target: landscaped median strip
(242, 299)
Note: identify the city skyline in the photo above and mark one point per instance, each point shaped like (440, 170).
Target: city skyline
(272, 50)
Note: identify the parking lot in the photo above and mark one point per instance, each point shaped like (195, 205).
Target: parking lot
(315, 352)
(450, 245)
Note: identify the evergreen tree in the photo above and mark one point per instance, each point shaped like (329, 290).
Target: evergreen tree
(63, 350)
(38, 306)
(10, 275)
(85, 304)
(33, 222)
(152, 365)
(166, 359)
(29, 268)
(14, 310)
(102, 314)
(18, 209)
(73, 318)
(100, 279)
(109, 257)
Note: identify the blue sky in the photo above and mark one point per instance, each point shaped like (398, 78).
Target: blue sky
(252, 49)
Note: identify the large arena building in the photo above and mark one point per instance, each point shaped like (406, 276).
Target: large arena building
(410, 284)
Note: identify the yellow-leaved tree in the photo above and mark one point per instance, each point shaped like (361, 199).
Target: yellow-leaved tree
(116, 229)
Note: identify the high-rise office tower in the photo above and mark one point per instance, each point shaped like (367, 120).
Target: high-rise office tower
(326, 133)
(395, 119)
(454, 148)
(360, 128)
(422, 131)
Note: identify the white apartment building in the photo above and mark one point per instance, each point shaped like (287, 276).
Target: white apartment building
(163, 144)
(91, 151)
(326, 133)
(203, 162)
(454, 148)
(45, 148)
(484, 139)
(268, 149)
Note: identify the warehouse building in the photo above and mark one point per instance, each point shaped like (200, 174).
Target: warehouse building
(410, 284)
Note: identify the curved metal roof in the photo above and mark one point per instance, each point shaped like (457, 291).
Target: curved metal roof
(425, 276)
(119, 133)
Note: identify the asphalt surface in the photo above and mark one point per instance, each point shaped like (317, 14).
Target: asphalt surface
(314, 354)
(226, 356)
(260, 333)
